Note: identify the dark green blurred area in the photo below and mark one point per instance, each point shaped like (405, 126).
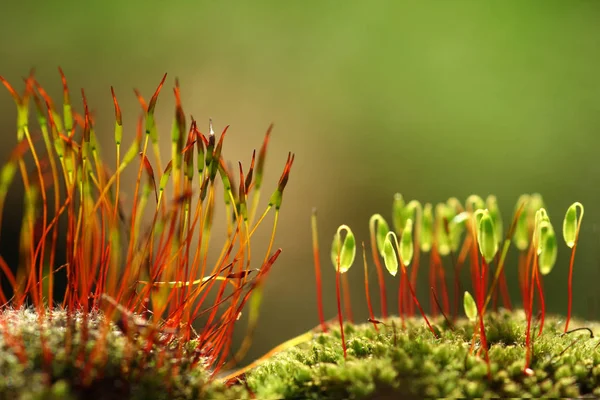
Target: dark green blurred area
(430, 99)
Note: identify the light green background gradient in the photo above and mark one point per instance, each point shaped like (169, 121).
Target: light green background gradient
(431, 99)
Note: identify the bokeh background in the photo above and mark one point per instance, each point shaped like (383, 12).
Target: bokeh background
(430, 99)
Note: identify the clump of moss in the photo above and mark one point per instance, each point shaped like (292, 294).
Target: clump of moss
(410, 362)
(128, 371)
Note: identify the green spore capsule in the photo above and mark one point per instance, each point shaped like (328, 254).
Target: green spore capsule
(346, 250)
(470, 306)
(390, 257)
(571, 224)
(406, 244)
(486, 237)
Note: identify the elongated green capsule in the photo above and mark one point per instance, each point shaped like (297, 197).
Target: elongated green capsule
(549, 249)
(398, 212)
(492, 205)
(456, 228)
(380, 231)
(406, 243)
(535, 202)
(540, 216)
(542, 225)
(442, 239)
(486, 236)
(455, 205)
(426, 233)
(521, 235)
(474, 203)
(470, 306)
(571, 223)
(346, 250)
(390, 258)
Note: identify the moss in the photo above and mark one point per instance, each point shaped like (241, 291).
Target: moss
(411, 363)
(390, 363)
(126, 371)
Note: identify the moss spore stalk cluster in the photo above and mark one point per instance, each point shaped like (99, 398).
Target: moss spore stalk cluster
(148, 260)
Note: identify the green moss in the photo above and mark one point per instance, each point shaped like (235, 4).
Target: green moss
(411, 363)
(390, 363)
(126, 372)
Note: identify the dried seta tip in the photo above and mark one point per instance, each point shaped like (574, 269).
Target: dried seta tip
(211, 131)
(154, 98)
(118, 116)
(86, 128)
(66, 96)
(250, 172)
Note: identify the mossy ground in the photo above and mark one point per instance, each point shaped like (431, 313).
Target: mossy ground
(126, 373)
(394, 362)
(411, 363)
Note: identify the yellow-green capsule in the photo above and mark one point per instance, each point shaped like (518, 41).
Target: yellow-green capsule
(346, 249)
(406, 244)
(390, 258)
(549, 249)
(535, 202)
(380, 231)
(442, 239)
(456, 228)
(521, 235)
(397, 212)
(474, 203)
(426, 231)
(570, 224)
(486, 236)
(470, 306)
(455, 205)
(542, 225)
(492, 205)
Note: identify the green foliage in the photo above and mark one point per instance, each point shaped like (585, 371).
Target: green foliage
(411, 363)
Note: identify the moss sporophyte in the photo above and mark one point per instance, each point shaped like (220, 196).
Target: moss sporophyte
(144, 314)
(146, 282)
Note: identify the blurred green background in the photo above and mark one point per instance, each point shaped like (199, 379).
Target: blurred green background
(430, 99)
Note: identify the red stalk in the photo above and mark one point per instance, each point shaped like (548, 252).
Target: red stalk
(339, 305)
(540, 287)
(414, 296)
(570, 284)
(529, 315)
(317, 261)
(346, 294)
(484, 268)
(382, 292)
(368, 295)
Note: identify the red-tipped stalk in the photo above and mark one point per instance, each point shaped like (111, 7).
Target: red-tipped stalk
(342, 256)
(339, 306)
(367, 294)
(571, 228)
(396, 254)
(317, 261)
(382, 226)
